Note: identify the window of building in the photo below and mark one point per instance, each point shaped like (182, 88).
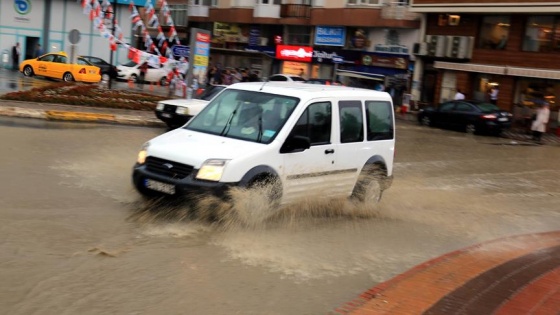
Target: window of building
(542, 34)
(276, 2)
(494, 32)
(204, 2)
(365, 2)
(179, 14)
(300, 35)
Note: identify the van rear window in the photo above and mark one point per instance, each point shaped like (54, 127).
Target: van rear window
(379, 115)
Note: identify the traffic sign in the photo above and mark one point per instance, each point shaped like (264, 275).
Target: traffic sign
(74, 36)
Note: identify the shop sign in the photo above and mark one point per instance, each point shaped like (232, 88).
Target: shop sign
(391, 49)
(387, 62)
(269, 50)
(358, 39)
(330, 35)
(295, 53)
(230, 33)
(254, 36)
(323, 56)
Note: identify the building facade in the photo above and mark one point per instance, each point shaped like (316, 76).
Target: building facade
(364, 42)
(476, 45)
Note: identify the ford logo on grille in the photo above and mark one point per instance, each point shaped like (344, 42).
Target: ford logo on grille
(168, 165)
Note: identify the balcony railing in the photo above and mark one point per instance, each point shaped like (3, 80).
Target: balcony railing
(295, 11)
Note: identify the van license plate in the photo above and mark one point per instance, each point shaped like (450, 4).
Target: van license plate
(159, 186)
(502, 119)
(166, 115)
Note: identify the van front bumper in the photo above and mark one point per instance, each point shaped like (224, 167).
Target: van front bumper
(152, 184)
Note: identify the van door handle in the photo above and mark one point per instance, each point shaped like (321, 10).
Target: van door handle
(329, 151)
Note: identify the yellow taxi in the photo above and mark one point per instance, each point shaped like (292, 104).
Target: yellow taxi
(56, 66)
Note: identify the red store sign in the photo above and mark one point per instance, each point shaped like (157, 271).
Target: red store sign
(294, 53)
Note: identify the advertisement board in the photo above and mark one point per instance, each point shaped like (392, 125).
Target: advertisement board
(330, 35)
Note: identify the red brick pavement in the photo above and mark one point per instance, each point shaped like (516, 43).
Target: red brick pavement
(513, 275)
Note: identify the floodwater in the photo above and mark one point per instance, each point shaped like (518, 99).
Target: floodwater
(77, 239)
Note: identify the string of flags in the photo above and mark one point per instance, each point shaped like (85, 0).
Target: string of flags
(99, 10)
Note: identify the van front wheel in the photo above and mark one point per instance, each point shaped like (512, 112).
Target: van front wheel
(257, 203)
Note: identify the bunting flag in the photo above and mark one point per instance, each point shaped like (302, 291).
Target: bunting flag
(98, 11)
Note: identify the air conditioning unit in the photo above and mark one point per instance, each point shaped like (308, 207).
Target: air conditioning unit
(436, 45)
(420, 49)
(459, 47)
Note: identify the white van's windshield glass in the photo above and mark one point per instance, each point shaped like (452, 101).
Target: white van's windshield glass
(246, 115)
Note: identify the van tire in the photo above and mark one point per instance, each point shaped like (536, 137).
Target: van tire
(260, 206)
(369, 188)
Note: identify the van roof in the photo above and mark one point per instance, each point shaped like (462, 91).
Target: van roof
(310, 90)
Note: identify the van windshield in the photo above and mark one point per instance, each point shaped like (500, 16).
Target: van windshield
(246, 115)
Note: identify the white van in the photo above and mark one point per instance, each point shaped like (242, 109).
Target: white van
(301, 139)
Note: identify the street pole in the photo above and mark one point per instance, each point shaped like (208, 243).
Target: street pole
(114, 21)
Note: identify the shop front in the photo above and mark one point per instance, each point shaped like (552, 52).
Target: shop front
(295, 60)
(518, 92)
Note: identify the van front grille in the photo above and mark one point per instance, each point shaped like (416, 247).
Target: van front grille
(168, 168)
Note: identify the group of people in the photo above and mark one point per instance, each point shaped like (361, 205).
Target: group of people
(228, 76)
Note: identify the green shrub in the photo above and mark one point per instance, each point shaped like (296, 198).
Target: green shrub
(86, 95)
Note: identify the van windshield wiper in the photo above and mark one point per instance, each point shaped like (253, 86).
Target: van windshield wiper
(230, 118)
(259, 136)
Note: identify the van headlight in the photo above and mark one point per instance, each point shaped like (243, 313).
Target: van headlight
(160, 106)
(182, 111)
(212, 170)
(143, 153)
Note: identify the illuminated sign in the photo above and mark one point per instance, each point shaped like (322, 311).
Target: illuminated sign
(294, 53)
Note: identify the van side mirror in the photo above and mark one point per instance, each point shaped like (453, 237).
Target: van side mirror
(295, 144)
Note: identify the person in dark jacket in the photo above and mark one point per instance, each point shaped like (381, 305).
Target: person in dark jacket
(15, 56)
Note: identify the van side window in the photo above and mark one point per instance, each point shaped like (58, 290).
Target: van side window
(379, 117)
(351, 121)
(315, 123)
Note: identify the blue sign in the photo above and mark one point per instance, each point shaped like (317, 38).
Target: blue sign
(337, 59)
(180, 50)
(22, 6)
(330, 35)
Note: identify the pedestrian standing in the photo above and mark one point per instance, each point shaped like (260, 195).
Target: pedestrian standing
(143, 70)
(236, 76)
(541, 119)
(15, 56)
(459, 95)
(494, 95)
(227, 78)
(173, 77)
(38, 51)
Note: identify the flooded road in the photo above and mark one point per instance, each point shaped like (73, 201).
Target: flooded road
(77, 239)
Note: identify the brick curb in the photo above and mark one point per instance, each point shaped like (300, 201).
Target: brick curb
(428, 284)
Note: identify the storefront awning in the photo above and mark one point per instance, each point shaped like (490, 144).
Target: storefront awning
(240, 52)
(471, 67)
(501, 70)
(360, 75)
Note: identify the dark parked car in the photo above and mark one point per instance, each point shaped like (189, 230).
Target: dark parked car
(467, 115)
(107, 70)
